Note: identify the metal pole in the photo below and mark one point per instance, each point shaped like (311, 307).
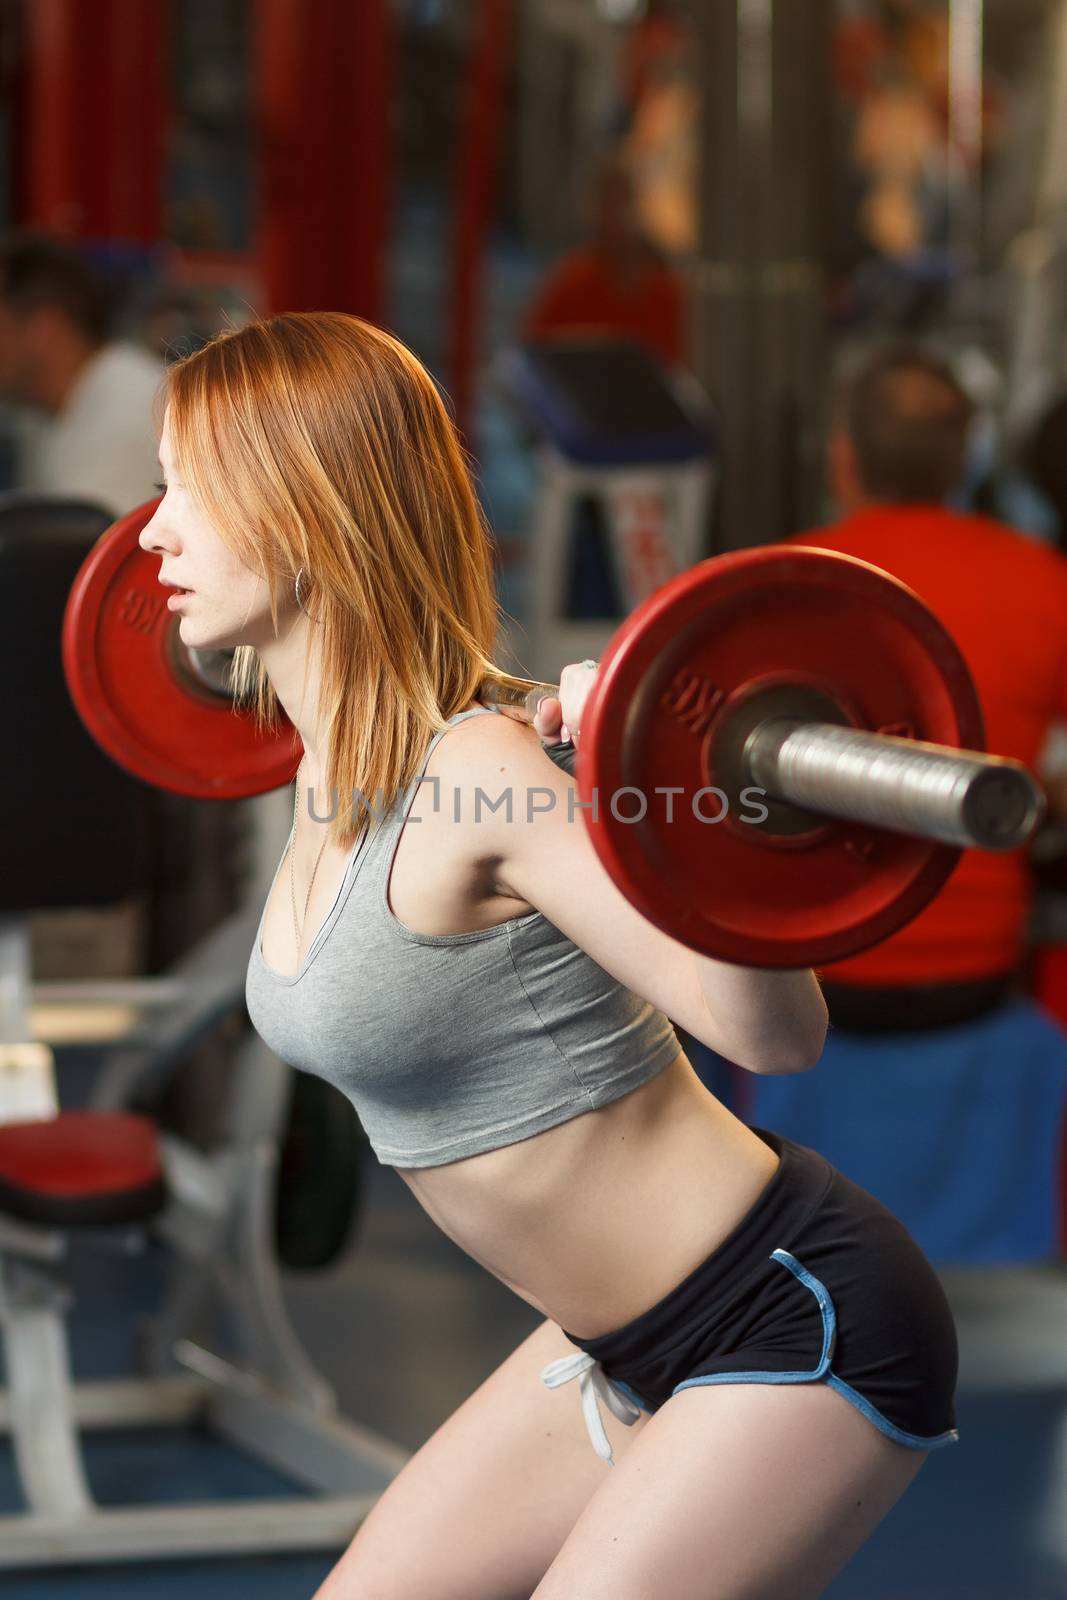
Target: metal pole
(756, 284)
(719, 282)
(965, 101)
(1052, 180)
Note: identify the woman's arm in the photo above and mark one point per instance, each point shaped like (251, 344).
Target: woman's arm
(784, 1011)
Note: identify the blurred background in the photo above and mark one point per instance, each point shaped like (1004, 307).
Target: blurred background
(810, 177)
(644, 246)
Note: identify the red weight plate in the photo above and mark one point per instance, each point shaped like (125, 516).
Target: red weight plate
(787, 614)
(119, 645)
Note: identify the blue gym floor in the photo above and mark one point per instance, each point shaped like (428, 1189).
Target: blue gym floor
(405, 1326)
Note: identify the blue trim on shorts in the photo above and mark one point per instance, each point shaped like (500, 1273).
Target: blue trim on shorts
(913, 1441)
(823, 1371)
(632, 1394)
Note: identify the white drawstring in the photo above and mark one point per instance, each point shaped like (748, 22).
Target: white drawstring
(593, 1382)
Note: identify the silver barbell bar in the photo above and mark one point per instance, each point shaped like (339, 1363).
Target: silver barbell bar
(955, 797)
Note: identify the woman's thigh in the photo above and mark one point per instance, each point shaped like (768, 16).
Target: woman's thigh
(746, 1492)
(481, 1510)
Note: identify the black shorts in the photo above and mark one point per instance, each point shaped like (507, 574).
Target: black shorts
(819, 1283)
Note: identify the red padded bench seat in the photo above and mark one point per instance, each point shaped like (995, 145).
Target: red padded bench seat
(81, 1168)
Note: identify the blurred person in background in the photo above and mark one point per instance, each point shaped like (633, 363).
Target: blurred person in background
(86, 427)
(896, 455)
(617, 284)
(909, 172)
(943, 1085)
(659, 130)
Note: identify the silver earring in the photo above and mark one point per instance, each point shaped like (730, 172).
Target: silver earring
(299, 597)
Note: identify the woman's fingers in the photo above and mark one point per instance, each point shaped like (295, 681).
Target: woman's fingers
(576, 681)
(561, 719)
(549, 719)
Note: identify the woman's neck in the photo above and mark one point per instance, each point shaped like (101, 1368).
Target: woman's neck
(293, 666)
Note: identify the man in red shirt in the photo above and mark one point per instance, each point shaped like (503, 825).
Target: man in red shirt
(617, 285)
(932, 1029)
(895, 457)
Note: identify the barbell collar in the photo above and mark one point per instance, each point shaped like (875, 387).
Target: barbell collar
(906, 786)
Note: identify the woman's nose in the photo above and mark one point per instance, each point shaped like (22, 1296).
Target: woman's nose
(152, 537)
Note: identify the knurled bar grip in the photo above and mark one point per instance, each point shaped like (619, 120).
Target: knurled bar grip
(907, 786)
(525, 701)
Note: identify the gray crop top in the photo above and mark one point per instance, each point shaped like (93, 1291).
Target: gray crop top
(452, 1044)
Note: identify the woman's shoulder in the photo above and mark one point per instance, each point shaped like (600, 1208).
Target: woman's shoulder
(489, 769)
(487, 742)
(477, 777)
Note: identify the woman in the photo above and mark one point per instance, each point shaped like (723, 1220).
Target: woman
(773, 1353)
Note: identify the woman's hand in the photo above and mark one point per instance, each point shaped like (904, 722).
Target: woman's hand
(560, 720)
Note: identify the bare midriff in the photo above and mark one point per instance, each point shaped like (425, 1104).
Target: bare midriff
(594, 1221)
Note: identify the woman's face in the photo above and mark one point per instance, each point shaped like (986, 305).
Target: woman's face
(225, 603)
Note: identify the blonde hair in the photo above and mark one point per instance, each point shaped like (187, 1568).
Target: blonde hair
(317, 440)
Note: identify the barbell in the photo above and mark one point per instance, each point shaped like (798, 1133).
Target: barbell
(828, 684)
(781, 756)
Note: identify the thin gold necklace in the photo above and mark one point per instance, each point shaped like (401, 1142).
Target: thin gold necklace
(298, 923)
